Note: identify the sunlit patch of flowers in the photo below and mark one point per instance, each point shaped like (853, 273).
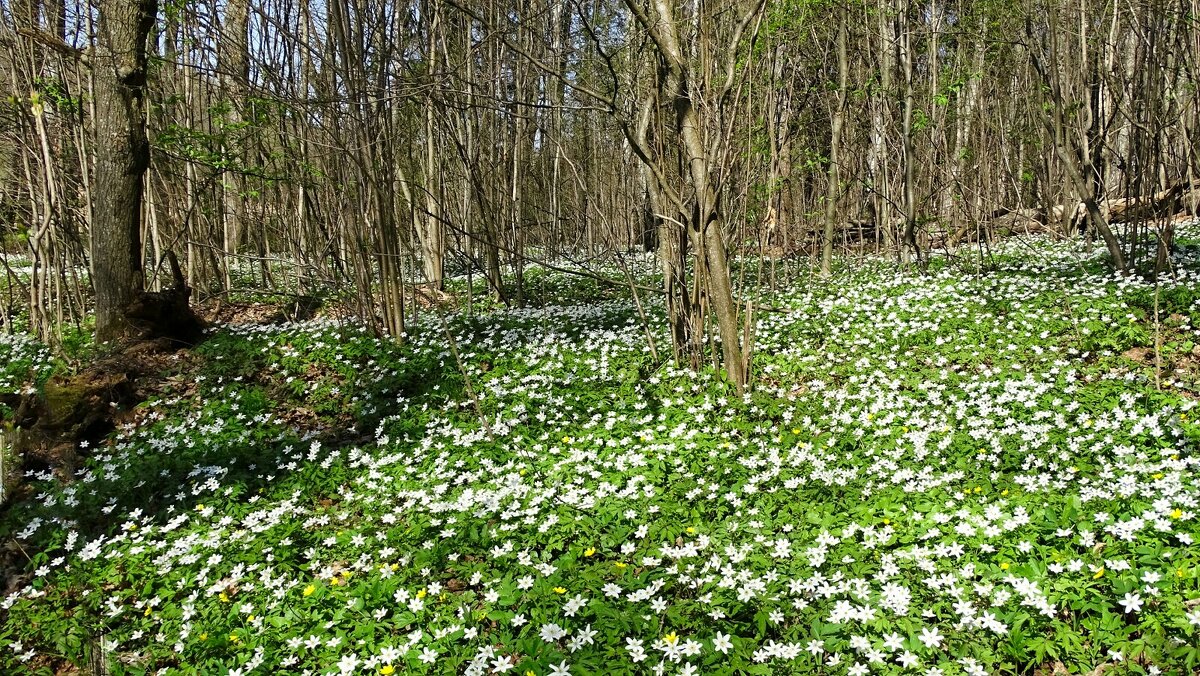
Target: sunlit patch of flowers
(951, 473)
(25, 364)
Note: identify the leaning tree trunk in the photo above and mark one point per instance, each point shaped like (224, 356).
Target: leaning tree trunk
(122, 157)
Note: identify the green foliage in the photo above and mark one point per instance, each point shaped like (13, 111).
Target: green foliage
(25, 366)
(958, 471)
(53, 92)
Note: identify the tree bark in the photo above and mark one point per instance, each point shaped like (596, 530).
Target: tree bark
(122, 157)
(832, 174)
(233, 67)
(705, 223)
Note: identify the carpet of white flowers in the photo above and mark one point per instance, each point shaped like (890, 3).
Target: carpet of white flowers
(947, 473)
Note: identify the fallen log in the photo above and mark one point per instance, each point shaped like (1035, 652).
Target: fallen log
(1190, 201)
(1128, 210)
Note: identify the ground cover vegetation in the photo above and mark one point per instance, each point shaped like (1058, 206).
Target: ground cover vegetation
(977, 469)
(601, 337)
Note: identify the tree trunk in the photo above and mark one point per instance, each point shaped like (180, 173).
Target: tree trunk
(832, 174)
(705, 224)
(233, 68)
(122, 157)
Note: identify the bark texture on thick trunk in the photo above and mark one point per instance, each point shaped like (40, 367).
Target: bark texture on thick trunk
(122, 157)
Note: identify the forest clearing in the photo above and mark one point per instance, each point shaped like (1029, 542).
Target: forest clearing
(601, 337)
(962, 471)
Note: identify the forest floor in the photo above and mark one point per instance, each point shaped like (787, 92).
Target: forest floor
(973, 470)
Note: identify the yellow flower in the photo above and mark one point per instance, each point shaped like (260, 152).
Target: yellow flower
(234, 638)
(346, 574)
(335, 581)
(1176, 513)
(224, 597)
(529, 672)
(795, 430)
(395, 567)
(147, 613)
(1179, 572)
(387, 669)
(1005, 566)
(1158, 475)
(199, 508)
(560, 590)
(671, 638)
(422, 594)
(308, 591)
(204, 636)
(566, 440)
(252, 618)
(978, 489)
(590, 551)
(1099, 574)
(691, 530)
(887, 522)
(1004, 492)
(620, 564)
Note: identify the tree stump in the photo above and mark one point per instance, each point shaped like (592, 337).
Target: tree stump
(167, 314)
